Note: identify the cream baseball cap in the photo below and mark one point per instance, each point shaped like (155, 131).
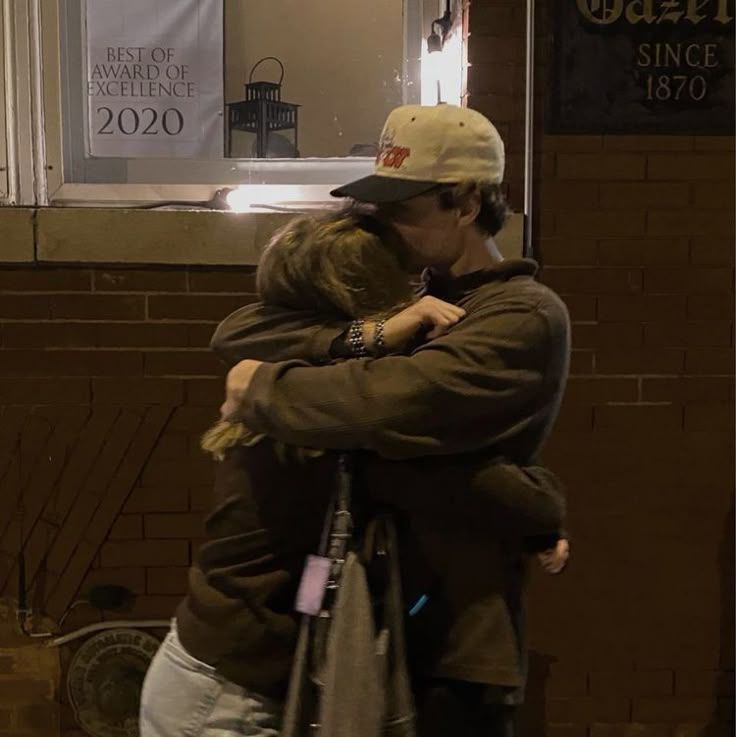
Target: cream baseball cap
(421, 147)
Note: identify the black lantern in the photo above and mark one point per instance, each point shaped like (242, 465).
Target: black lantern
(262, 112)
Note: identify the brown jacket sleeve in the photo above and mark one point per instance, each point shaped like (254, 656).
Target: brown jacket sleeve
(264, 333)
(495, 498)
(488, 379)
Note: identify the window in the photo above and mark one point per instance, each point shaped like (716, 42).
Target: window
(147, 101)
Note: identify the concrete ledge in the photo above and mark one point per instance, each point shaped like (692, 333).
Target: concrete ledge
(153, 237)
(16, 241)
(185, 237)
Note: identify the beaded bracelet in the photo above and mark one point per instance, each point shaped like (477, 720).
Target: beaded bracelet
(379, 340)
(355, 339)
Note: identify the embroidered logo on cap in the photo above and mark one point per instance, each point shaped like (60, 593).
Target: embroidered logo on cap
(389, 155)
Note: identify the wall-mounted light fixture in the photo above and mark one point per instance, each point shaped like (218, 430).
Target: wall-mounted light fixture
(441, 62)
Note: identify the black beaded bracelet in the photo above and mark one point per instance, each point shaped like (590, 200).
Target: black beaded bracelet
(379, 340)
(355, 339)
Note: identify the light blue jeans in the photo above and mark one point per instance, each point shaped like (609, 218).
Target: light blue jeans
(183, 697)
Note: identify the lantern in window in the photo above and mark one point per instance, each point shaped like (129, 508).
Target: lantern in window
(263, 113)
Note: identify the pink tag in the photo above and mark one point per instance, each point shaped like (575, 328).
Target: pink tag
(313, 584)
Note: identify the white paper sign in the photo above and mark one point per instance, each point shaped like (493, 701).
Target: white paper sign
(154, 78)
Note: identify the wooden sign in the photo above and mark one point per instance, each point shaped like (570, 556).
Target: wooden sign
(642, 66)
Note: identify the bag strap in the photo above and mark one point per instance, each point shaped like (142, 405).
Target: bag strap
(336, 534)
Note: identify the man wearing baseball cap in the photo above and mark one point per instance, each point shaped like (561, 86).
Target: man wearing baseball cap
(491, 385)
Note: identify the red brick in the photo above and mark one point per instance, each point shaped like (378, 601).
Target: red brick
(194, 419)
(566, 730)
(574, 418)
(643, 195)
(712, 251)
(486, 80)
(486, 18)
(145, 553)
(15, 691)
(199, 336)
(690, 222)
(186, 526)
(42, 717)
(497, 50)
(133, 579)
(632, 683)
(648, 143)
(691, 280)
(209, 392)
(704, 729)
(138, 391)
(630, 730)
(630, 252)
(704, 683)
(713, 195)
(70, 363)
(136, 280)
(641, 307)
(588, 709)
(638, 417)
(639, 361)
(710, 417)
(567, 252)
(710, 306)
(672, 710)
(689, 167)
(714, 143)
(601, 389)
(167, 581)
(194, 471)
(601, 223)
(568, 682)
(97, 307)
(202, 308)
(569, 195)
(48, 335)
(155, 335)
(570, 280)
(170, 446)
(154, 607)
(44, 280)
(684, 334)
(688, 389)
(606, 335)
(572, 144)
(166, 498)
(601, 166)
(44, 391)
(24, 307)
(235, 280)
(719, 361)
(182, 363)
(581, 362)
(127, 527)
(582, 307)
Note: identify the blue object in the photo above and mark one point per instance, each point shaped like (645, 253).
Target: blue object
(418, 605)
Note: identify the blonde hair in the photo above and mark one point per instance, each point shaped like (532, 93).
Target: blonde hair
(348, 265)
(345, 265)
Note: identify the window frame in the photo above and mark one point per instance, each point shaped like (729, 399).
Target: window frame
(34, 127)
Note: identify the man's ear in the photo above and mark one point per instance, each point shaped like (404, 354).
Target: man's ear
(468, 207)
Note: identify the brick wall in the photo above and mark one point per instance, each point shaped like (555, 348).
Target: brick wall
(107, 380)
(636, 234)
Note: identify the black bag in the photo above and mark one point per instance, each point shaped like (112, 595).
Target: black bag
(349, 676)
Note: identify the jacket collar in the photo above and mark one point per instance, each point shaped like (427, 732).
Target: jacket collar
(445, 287)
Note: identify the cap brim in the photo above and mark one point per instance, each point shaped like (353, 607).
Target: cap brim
(376, 189)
